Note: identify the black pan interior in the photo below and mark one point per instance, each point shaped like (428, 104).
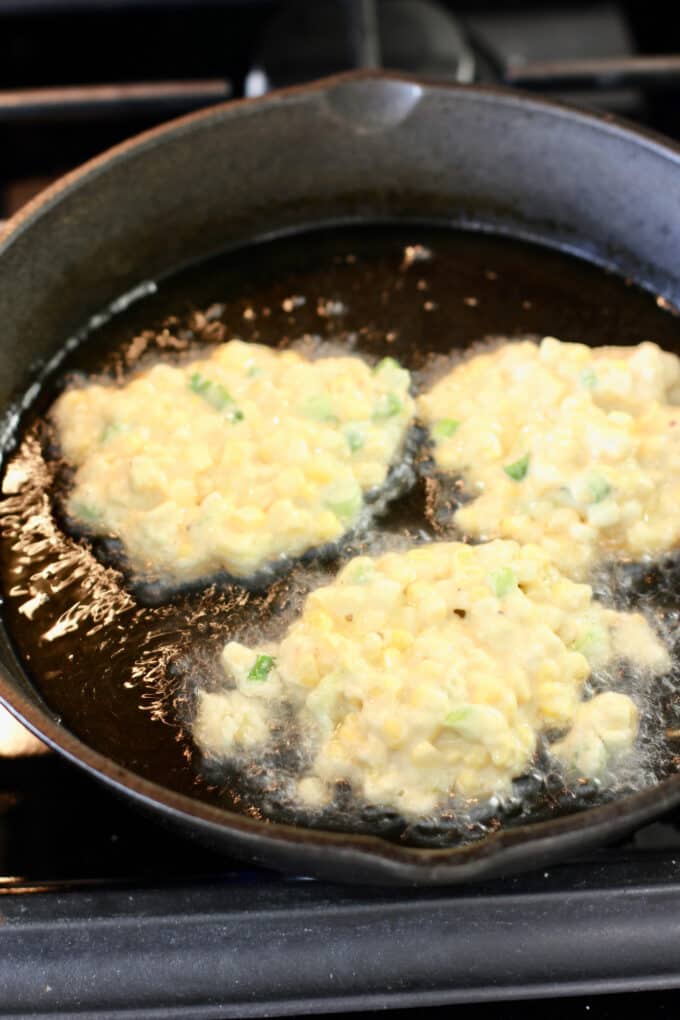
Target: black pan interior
(115, 668)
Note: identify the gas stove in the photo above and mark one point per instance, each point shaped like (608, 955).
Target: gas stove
(104, 912)
(107, 914)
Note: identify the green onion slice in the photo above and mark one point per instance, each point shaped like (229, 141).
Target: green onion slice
(387, 363)
(261, 668)
(518, 469)
(503, 581)
(445, 428)
(345, 509)
(589, 378)
(458, 715)
(355, 438)
(387, 406)
(318, 407)
(215, 394)
(599, 488)
(113, 428)
(87, 512)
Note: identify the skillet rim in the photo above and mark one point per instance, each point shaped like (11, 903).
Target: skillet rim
(377, 858)
(608, 122)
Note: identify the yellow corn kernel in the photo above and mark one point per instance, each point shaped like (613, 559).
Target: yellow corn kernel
(416, 698)
(328, 526)
(463, 555)
(520, 684)
(401, 639)
(469, 782)
(502, 697)
(394, 731)
(308, 680)
(430, 669)
(307, 493)
(429, 697)
(577, 667)
(452, 753)
(547, 672)
(391, 657)
(318, 471)
(417, 591)
(562, 593)
(424, 753)
(350, 733)
(534, 553)
(555, 706)
(320, 621)
(477, 757)
(248, 515)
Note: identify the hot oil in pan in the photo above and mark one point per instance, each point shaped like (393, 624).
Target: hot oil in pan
(116, 670)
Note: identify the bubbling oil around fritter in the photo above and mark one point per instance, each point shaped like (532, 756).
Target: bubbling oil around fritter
(127, 684)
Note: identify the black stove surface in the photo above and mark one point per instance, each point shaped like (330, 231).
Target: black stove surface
(103, 912)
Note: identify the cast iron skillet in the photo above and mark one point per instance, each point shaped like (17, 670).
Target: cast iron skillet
(359, 147)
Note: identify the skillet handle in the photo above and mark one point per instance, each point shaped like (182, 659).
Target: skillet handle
(359, 105)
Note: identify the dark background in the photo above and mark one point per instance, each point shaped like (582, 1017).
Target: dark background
(51, 43)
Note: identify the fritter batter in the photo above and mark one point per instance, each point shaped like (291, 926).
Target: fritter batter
(572, 447)
(234, 461)
(431, 673)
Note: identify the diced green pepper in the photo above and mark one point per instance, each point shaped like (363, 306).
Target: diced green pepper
(387, 406)
(468, 720)
(518, 469)
(589, 378)
(458, 715)
(599, 488)
(87, 512)
(113, 428)
(593, 643)
(361, 573)
(199, 384)
(345, 509)
(445, 428)
(355, 438)
(319, 407)
(219, 397)
(387, 363)
(261, 668)
(503, 581)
